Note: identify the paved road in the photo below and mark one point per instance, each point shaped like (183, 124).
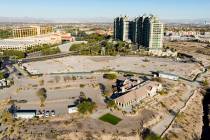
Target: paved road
(65, 47)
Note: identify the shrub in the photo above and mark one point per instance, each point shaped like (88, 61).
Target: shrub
(41, 93)
(74, 78)
(82, 85)
(110, 76)
(153, 137)
(163, 92)
(6, 117)
(14, 53)
(205, 82)
(86, 107)
(1, 75)
(50, 51)
(111, 104)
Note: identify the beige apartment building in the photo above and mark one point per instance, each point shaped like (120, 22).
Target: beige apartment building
(31, 31)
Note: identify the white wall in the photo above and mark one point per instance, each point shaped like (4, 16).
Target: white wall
(24, 115)
(72, 110)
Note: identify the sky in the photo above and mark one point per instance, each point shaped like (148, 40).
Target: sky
(165, 9)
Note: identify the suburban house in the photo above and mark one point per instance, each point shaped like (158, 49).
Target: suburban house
(72, 109)
(149, 89)
(125, 84)
(25, 114)
(165, 75)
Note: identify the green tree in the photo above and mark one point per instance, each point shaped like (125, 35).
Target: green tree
(86, 107)
(5, 33)
(50, 51)
(14, 53)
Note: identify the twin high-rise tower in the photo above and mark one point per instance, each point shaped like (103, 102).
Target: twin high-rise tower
(146, 32)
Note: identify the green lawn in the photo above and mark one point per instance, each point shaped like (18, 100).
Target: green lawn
(110, 119)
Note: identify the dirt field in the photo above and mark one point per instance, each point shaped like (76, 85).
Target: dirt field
(198, 50)
(188, 124)
(94, 63)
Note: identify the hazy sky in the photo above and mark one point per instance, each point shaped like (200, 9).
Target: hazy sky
(165, 9)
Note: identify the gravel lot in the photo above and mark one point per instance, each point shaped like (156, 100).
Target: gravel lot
(58, 99)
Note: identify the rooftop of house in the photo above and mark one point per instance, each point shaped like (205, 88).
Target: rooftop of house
(138, 93)
(123, 79)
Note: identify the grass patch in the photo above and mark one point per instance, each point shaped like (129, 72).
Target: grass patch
(110, 119)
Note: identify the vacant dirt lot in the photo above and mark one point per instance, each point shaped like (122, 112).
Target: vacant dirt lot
(93, 63)
(198, 50)
(188, 124)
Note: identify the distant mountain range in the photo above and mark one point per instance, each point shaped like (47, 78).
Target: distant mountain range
(188, 21)
(23, 20)
(55, 20)
(89, 20)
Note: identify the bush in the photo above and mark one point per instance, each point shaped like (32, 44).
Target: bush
(74, 78)
(5, 33)
(6, 117)
(110, 76)
(205, 82)
(1, 75)
(82, 85)
(50, 51)
(111, 104)
(41, 48)
(14, 53)
(153, 137)
(77, 47)
(157, 79)
(41, 93)
(163, 92)
(86, 107)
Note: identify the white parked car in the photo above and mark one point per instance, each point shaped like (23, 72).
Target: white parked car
(53, 113)
(47, 114)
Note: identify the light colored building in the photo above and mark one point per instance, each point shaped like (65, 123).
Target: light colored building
(25, 114)
(166, 75)
(67, 37)
(149, 89)
(31, 31)
(22, 44)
